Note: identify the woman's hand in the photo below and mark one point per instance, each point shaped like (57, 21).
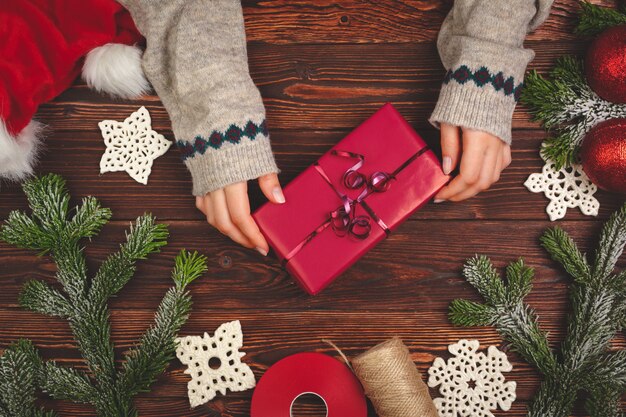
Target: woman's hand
(228, 210)
(482, 158)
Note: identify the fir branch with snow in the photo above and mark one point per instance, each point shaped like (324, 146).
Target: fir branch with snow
(597, 293)
(567, 107)
(82, 301)
(595, 19)
(20, 370)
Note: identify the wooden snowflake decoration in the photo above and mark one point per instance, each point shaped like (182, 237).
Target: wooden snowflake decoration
(132, 146)
(214, 363)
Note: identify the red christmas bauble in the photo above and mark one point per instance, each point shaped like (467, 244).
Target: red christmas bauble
(605, 65)
(603, 155)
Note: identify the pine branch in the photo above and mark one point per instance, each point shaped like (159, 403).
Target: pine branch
(20, 366)
(84, 305)
(71, 268)
(609, 371)
(468, 314)
(556, 395)
(596, 19)
(603, 402)
(519, 281)
(598, 312)
(144, 238)
(44, 413)
(70, 384)
(611, 246)
(49, 201)
(92, 331)
(40, 297)
(505, 309)
(188, 267)
(483, 276)
(156, 349)
(591, 325)
(22, 231)
(561, 149)
(158, 345)
(519, 326)
(88, 219)
(48, 229)
(564, 250)
(567, 106)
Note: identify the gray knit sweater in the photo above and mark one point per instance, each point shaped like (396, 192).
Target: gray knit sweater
(481, 47)
(196, 59)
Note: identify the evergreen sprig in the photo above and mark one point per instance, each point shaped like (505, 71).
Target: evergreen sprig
(584, 363)
(54, 229)
(20, 370)
(595, 19)
(566, 106)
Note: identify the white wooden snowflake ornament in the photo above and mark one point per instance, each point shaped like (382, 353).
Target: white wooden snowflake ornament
(471, 382)
(132, 145)
(214, 363)
(567, 188)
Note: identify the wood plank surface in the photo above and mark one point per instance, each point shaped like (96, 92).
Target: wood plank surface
(323, 66)
(315, 87)
(270, 336)
(416, 267)
(374, 21)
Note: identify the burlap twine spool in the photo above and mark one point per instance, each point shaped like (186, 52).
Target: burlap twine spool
(392, 382)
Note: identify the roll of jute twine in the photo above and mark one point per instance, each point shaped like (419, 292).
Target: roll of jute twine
(392, 382)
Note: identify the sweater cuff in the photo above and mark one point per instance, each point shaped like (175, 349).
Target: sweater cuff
(211, 169)
(476, 107)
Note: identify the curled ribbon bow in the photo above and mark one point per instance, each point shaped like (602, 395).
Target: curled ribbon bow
(344, 221)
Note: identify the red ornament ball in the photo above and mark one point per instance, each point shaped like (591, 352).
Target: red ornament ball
(605, 65)
(603, 155)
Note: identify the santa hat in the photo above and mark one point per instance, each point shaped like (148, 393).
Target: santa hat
(43, 46)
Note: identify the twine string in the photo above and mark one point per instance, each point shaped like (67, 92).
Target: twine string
(340, 352)
(392, 382)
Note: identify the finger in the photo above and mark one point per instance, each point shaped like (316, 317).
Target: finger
(450, 147)
(497, 169)
(271, 188)
(485, 178)
(223, 223)
(457, 185)
(471, 163)
(506, 156)
(239, 208)
(200, 204)
(208, 209)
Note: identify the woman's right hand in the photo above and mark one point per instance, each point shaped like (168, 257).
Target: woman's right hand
(228, 210)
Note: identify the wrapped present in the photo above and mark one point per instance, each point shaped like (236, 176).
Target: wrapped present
(350, 199)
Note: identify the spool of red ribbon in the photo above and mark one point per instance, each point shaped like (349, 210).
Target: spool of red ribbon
(309, 373)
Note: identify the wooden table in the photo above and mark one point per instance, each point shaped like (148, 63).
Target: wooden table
(322, 67)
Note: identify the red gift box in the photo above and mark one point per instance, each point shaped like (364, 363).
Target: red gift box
(351, 198)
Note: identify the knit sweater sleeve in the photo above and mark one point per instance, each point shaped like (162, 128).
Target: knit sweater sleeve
(196, 60)
(481, 47)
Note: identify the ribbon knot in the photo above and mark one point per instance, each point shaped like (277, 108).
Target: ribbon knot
(344, 220)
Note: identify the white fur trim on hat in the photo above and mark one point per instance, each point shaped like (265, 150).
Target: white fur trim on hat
(18, 154)
(116, 69)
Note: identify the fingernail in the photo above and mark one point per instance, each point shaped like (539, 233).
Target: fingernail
(262, 251)
(447, 165)
(278, 195)
(438, 200)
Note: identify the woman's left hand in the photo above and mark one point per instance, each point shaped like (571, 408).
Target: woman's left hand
(482, 158)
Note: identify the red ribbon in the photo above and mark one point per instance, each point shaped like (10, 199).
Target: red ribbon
(344, 221)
